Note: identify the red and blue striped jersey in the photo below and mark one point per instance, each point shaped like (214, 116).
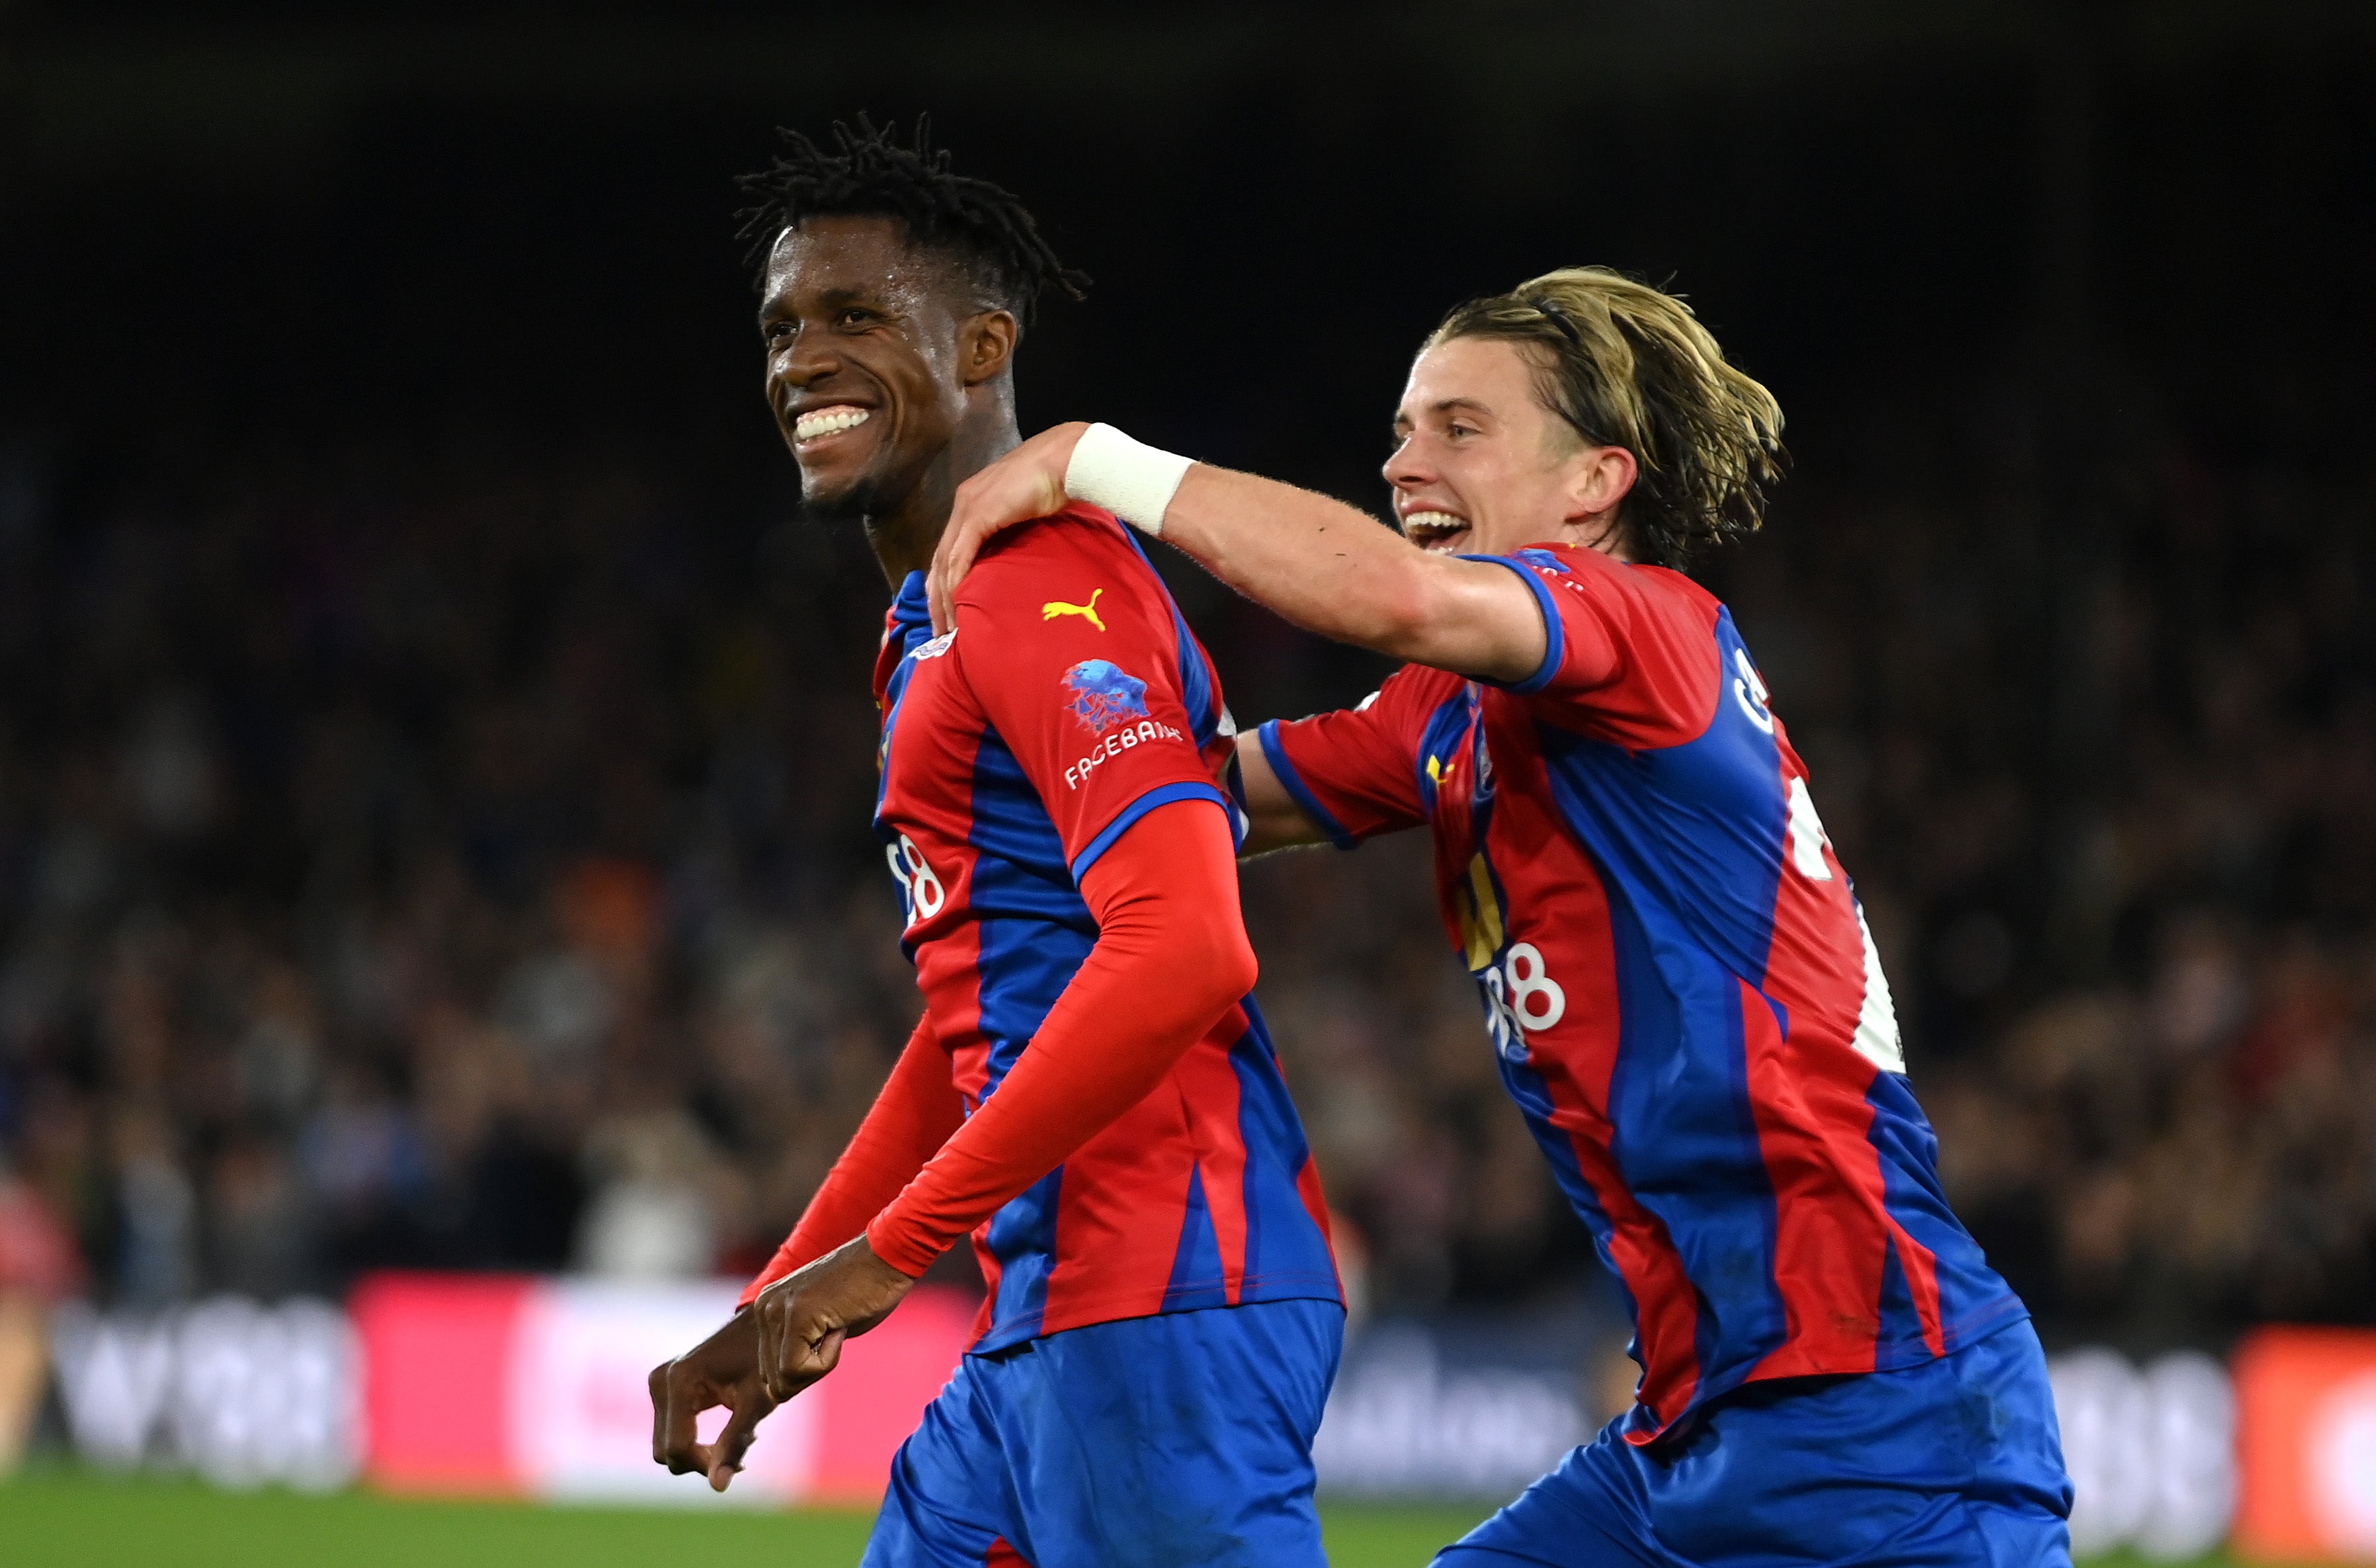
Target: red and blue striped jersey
(1069, 700)
(1677, 982)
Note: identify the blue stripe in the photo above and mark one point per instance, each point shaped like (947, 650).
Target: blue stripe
(1284, 1248)
(1161, 795)
(1023, 1240)
(1553, 639)
(1195, 682)
(1972, 1300)
(1196, 1277)
(1321, 816)
(1682, 1133)
(1035, 930)
(1449, 735)
(1899, 1342)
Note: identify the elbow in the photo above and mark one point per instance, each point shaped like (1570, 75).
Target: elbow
(1225, 960)
(1240, 968)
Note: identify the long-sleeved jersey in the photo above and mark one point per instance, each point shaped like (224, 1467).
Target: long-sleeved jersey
(1067, 702)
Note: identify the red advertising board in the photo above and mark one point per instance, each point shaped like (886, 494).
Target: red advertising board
(508, 1385)
(2306, 1441)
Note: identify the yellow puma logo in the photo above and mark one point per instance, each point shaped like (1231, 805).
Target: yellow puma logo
(1056, 607)
(1439, 770)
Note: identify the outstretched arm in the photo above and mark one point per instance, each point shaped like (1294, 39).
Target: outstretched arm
(1326, 566)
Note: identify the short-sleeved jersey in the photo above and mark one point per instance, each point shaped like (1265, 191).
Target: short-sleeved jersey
(1068, 701)
(1678, 982)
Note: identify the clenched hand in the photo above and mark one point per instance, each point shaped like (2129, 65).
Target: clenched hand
(803, 1317)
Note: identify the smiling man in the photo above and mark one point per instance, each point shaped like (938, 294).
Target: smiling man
(1676, 981)
(1091, 1093)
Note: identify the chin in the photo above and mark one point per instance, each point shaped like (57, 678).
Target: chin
(837, 498)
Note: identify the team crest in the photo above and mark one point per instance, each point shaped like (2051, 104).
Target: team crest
(1542, 558)
(1103, 695)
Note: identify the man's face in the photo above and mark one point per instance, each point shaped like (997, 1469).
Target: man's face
(1479, 466)
(862, 332)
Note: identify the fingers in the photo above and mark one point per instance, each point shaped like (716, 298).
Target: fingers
(960, 543)
(725, 1456)
(950, 563)
(673, 1414)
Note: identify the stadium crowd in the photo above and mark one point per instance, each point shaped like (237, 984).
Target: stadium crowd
(466, 866)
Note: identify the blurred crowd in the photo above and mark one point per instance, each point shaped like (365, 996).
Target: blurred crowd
(467, 866)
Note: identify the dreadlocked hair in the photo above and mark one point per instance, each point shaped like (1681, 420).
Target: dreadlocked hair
(1626, 365)
(868, 173)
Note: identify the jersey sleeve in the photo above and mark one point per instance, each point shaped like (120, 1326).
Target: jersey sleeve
(1355, 771)
(1068, 642)
(1628, 656)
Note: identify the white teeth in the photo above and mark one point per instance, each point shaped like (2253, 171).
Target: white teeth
(826, 422)
(1437, 520)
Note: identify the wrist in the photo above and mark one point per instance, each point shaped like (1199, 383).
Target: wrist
(899, 1247)
(1130, 479)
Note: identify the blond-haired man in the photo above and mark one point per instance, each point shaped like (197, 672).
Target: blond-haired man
(1678, 982)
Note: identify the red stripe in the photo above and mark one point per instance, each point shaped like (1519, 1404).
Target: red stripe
(1118, 1214)
(1810, 1094)
(1653, 1271)
(1830, 1244)
(1575, 1063)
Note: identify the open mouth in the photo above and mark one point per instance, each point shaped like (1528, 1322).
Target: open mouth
(815, 424)
(1435, 531)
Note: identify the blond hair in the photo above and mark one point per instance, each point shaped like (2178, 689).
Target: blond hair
(1626, 365)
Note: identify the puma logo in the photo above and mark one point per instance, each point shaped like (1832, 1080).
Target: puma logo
(1056, 607)
(1438, 770)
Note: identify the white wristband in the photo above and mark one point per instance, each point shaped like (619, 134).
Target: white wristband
(1130, 479)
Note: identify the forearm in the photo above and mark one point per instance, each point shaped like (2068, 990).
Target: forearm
(917, 1112)
(1335, 570)
(1326, 566)
(1169, 959)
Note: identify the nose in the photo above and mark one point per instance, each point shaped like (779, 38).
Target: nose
(805, 361)
(1406, 464)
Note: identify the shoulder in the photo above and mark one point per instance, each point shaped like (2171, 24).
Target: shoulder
(1650, 599)
(1079, 568)
(1078, 537)
(1403, 702)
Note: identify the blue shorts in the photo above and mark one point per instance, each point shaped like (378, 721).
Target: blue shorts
(1179, 1440)
(1956, 1463)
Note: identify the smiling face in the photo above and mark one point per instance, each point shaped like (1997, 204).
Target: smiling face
(872, 344)
(1480, 467)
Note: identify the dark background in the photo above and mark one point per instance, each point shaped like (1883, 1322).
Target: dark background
(434, 759)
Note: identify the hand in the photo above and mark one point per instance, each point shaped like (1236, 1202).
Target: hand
(803, 1317)
(721, 1370)
(1025, 483)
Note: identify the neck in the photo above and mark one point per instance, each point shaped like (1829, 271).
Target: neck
(907, 532)
(1597, 530)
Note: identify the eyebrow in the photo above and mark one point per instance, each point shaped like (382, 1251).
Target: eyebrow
(1444, 406)
(773, 307)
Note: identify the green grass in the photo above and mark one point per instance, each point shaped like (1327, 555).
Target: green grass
(74, 1517)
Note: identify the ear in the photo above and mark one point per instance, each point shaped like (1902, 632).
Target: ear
(1597, 479)
(986, 345)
